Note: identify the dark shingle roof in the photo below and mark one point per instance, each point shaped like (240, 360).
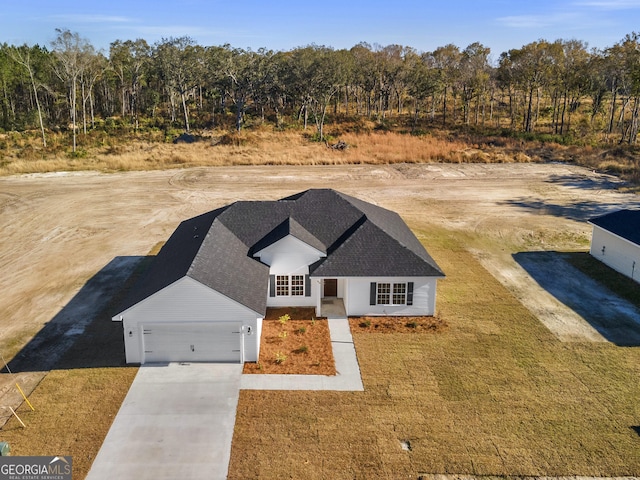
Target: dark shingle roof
(216, 248)
(624, 223)
(174, 259)
(222, 264)
(369, 252)
(288, 227)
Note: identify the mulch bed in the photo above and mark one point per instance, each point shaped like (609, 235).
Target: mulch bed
(397, 324)
(301, 345)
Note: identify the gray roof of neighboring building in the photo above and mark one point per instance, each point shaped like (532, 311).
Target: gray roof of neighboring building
(623, 223)
(216, 248)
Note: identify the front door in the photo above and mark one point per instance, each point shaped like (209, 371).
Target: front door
(331, 287)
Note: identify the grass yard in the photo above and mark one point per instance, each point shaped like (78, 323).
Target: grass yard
(74, 410)
(495, 393)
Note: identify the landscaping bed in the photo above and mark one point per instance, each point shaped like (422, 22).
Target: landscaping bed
(397, 324)
(294, 342)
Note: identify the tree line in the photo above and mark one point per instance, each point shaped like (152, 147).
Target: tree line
(560, 88)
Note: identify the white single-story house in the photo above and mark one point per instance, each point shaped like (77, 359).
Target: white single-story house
(615, 241)
(206, 293)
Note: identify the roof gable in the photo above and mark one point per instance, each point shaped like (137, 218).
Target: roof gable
(288, 227)
(623, 223)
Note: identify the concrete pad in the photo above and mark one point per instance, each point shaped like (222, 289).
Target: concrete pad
(176, 422)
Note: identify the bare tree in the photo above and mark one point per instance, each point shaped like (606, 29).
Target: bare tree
(181, 64)
(71, 52)
(22, 55)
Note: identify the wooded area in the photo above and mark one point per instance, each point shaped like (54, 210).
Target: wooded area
(559, 88)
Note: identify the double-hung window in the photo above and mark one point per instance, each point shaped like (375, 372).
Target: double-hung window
(297, 285)
(384, 291)
(388, 293)
(399, 293)
(282, 285)
(289, 286)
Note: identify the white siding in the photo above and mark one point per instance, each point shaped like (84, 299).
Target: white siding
(289, 256)
(188, 301)
(621, 255)
(357, 295)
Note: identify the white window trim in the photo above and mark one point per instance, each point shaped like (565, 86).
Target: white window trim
(297, 290)
(289, 285)
(391, 293)
(282, 284)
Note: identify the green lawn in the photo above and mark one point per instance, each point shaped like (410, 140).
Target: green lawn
(494, 394)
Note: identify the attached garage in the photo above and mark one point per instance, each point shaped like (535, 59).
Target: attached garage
(190, 322)
(615, 241)
(192, 342)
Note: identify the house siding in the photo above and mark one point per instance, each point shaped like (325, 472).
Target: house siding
(357, 296)
(619, 254)
(188, 301)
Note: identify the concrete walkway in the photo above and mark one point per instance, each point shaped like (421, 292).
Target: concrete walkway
(176, 421)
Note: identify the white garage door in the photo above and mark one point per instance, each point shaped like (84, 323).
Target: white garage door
(192, 342)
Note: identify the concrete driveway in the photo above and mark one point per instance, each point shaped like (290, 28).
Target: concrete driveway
(176, 422)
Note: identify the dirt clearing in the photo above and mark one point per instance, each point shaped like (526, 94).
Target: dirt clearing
(60, 230)
(63, 234)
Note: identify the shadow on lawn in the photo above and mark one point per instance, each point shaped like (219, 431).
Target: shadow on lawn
(82, 334)
(614, 318)
(578, 210)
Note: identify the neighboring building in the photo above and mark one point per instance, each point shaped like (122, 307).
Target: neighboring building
(206, 293)
(615, 241)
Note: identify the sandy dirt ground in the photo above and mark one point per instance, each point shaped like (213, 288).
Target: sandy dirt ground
(70, 239)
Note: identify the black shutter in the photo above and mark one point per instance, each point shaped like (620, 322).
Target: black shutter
(410, 293)
(272, 285)
(307, 286)
(372, 294)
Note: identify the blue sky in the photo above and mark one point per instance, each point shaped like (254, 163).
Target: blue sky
(286, 24)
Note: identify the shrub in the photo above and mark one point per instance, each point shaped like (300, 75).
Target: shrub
(365, 324)
(301, 349)
(411, 324)
(280, 358)
(284, 318)
(301, 331)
